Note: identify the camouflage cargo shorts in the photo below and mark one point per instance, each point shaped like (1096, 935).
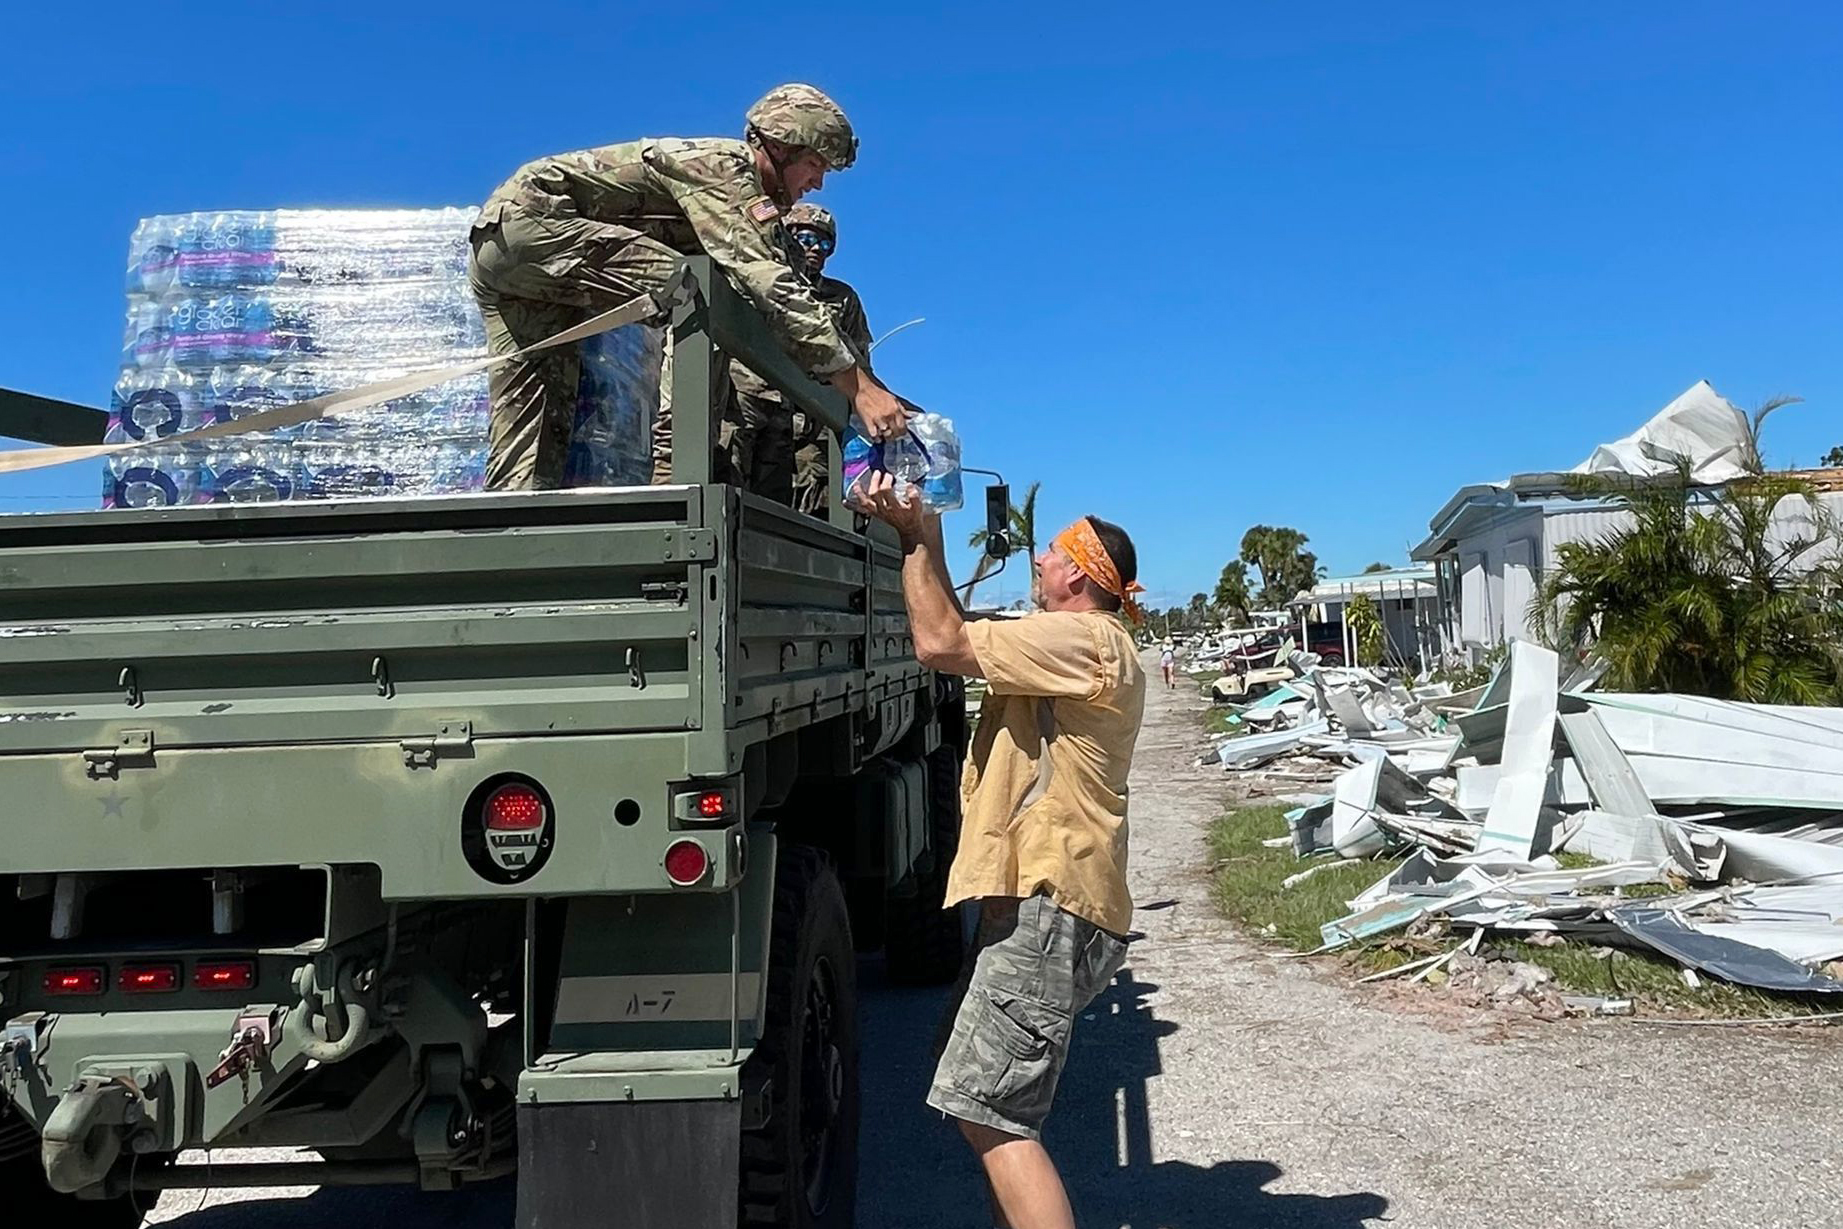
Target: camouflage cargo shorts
(1006, 1032)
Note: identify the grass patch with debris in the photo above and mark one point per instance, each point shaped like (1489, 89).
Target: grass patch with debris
(1218, 720)
(1248, 874)
(1247, 878)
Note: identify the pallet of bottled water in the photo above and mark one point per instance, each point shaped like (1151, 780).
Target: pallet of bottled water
(233, 313)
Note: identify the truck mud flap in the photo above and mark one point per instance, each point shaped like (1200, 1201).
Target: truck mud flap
(638, 1164)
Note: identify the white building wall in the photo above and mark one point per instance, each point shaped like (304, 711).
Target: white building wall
(1502, 565)
(1498, 576)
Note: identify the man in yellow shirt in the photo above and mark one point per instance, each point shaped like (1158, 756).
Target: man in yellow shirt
(1042, 835)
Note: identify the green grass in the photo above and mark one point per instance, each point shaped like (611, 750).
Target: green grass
(1216, 721)
(1247, 886)
(1247, 890)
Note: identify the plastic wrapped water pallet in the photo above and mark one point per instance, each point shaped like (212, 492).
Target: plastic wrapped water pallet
(235, 312)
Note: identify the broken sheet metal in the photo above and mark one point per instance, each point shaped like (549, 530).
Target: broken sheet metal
(1680, 789)
(1254, 749)
(1529, 750)
(1612, 837)
(1481, 890)
(1745, 964)
(1673, 781)
(1610, 780)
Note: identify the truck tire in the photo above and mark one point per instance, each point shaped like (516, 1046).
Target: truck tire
(799, 1169)
(924, 943)
(28, 1197)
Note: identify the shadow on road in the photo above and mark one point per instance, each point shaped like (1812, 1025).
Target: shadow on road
(484, 1207)
(914, 1170)
(916, 1173)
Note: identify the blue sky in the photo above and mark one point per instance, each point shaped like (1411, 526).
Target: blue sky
(1190, 267)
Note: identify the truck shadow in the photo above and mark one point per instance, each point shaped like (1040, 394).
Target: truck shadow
(916, 1173)
(489, 1206)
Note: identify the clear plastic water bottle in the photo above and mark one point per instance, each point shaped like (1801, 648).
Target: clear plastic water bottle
(156, 404)
(336, 472)
(191, 268)
(257, 473)
(241, 247)
(942, 485)
(153, 257)
(147, 341)
(158, 477)
(221, 251)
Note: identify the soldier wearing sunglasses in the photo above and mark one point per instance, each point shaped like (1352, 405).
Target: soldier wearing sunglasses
(783, 454)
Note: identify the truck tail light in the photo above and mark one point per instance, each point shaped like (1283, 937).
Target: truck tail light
(86, 980)
(686, 863)
(224, 974)
(712, 804)
(514, 808)
(148, 978)
(508, 828)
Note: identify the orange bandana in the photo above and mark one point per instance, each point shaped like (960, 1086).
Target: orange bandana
(1083, 546)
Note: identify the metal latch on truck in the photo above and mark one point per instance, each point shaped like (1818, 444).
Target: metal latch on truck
(134, 748)
(449, 738)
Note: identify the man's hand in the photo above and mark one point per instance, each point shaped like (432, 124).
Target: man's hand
(877, 495)
(879, 409)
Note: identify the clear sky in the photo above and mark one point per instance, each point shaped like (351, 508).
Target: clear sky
(1191, 267)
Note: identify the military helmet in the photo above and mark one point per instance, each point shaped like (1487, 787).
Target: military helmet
(812, 217)
(803, 116)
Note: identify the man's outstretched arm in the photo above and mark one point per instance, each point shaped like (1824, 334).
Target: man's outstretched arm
(936, 621)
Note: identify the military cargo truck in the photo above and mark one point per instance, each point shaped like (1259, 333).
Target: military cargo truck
(454, 838)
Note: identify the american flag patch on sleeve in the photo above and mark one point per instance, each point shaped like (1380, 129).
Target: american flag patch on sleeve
(764, 210)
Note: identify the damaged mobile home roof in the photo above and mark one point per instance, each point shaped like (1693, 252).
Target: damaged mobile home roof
(1700, 429)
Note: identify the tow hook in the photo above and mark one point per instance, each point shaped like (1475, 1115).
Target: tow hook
(84, 1135)
(300, 1022)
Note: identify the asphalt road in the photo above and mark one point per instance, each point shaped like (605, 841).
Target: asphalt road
(1218, 1086)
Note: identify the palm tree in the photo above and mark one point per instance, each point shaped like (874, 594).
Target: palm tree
(1710, 592)
(1232, 597)
(1022, 537)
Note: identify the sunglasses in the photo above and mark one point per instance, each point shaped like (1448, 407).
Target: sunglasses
(813, 239)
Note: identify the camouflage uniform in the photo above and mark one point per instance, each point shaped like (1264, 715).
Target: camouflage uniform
(1005, 1036)
(576, 234)
(768, 434)
(810, 437)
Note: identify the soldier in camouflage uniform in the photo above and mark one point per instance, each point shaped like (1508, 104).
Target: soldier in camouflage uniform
(767, 435)
(576, 234)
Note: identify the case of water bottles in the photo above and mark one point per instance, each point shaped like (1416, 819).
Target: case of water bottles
(236, 312)
(926, 457)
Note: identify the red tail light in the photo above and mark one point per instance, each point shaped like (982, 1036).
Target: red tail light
(74, 981)
(148, 978)
(712, 804)
(514, 808)
(686, 863)
(224, 974)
